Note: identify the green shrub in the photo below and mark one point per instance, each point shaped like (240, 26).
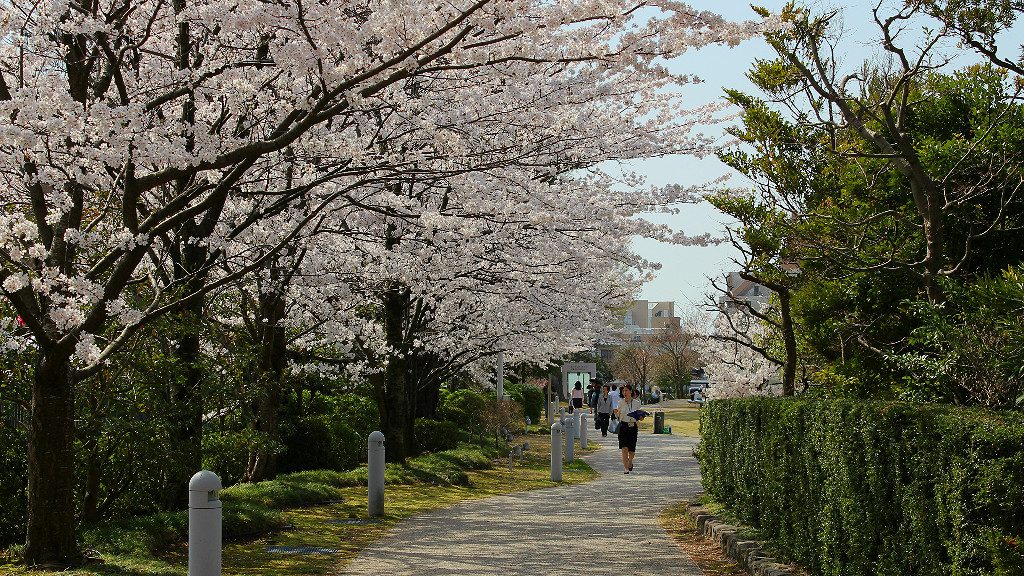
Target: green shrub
(530, 398)
(357, 412)
(312, 444)
(857, 488)
(13, 479)
(436, 435)
(463, 407)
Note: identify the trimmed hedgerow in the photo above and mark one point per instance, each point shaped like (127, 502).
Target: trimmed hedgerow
(855, 488)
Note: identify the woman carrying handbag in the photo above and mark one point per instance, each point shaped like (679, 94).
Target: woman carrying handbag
(628, 427)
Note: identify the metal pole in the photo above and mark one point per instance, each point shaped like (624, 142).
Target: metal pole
(556, 452)
(375, 473)
(547, 402)
(501, 375)
(205, 521)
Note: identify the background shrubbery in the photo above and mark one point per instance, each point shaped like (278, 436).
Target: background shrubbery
(436, 435)
(851, 488)
(530, 398)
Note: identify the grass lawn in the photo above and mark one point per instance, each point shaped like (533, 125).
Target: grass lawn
(683, 417)
(425, 484)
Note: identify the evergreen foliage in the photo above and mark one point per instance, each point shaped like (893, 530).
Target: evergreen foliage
(855, 488)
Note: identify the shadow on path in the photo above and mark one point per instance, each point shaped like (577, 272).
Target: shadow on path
(579, 528)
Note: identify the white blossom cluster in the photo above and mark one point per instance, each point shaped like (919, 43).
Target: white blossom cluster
(735, 370)
(452, 148)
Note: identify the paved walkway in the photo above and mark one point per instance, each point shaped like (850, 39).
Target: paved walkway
(568, 530)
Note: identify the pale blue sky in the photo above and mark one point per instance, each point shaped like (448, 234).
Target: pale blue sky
(685, 270)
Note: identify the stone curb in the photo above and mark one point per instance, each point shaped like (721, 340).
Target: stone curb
(747, 553)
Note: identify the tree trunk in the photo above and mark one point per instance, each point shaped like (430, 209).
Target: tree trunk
(391, 385)
(50, 539)
(789, 338)
(428, 391)
(184, 454)
(263, 462)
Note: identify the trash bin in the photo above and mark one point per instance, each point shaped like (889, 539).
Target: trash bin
(659, 422)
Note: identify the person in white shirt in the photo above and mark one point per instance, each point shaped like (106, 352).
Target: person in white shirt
(628, 427)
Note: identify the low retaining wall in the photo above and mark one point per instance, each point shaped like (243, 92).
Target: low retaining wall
(747, 553)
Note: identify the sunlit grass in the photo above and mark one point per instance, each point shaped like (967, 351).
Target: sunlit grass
(682, 417)
(434, 482)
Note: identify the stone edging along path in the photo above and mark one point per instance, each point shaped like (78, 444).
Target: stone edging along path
(747, 553)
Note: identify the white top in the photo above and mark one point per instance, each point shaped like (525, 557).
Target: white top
(615, 396)
(627, 407)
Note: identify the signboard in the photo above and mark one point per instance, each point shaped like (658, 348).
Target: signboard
(573, 372)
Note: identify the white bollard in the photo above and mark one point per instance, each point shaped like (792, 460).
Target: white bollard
(552, 410)
(576, 415)
(583, 430)
(375, 473)
(205, 521)
(556, 452)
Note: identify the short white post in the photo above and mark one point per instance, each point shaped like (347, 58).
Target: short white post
(576, 422)
(552, 409)
(556, 452)
(583, 430)
(375, 473)
(205, 521)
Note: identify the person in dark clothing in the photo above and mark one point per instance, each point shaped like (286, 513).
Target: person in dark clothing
(603, 408)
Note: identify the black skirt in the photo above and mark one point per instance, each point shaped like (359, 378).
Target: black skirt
(627, 436)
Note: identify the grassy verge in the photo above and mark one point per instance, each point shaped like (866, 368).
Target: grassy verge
(684, 418)
(704, 553)
(291, 511)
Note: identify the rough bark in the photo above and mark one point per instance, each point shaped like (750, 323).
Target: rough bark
(391, 384)
(50, 538)
(263, 462)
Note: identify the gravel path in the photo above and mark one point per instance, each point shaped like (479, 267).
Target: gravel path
(565, 530)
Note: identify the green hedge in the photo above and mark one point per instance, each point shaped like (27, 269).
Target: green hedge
(854, 488)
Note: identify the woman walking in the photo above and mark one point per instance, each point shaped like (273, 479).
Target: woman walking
(628, 427)
(603, 407)
(577, 397)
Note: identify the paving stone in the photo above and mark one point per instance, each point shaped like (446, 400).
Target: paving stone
(579, 529)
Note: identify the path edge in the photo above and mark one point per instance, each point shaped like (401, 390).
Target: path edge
(749, 554)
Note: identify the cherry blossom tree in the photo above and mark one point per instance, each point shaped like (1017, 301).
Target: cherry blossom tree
(735, 359)
(144, 133)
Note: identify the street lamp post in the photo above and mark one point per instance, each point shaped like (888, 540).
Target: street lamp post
(501, 375)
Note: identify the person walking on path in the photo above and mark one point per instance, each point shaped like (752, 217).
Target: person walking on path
(604, 408)
(577, 397)
(628, 427)
(615, 395)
